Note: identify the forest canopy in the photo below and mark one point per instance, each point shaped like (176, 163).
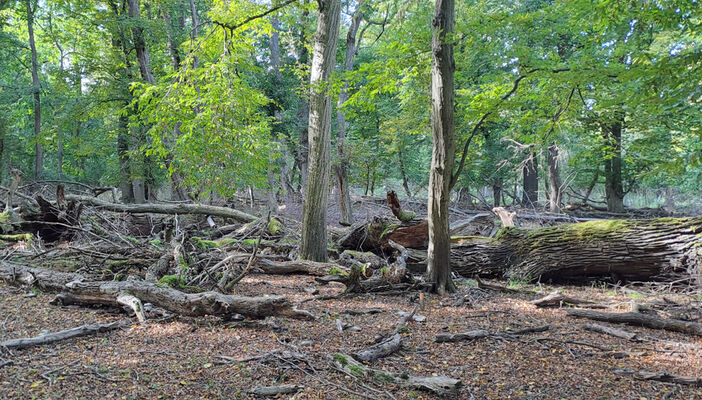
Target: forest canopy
(212, 96)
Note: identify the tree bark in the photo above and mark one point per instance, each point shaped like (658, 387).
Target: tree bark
(403, 172)
(314, 217)
(530, 192)
(36, 91)
(341, 167)
(628, 250)
(139, 42)
(554, 179)
(443, 149)
(304, 110)
(614, 189)
(190, 304)
(84, 330)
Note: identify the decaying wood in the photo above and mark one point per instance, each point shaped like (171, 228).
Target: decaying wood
(659, 376)
(180, 209)
(49, 338)
(397, 211)
(297, 266)
(506, 217)
(270, 391)
(482, 333)
(620, 333)
(631, 250)
(389, 345)
(636, 319)
(190, 304)
(440, 385)
(556, 299)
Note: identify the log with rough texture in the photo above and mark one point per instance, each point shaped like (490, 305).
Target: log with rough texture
(482, 333)
(198, 209)
(619, 249)
(441, 385)
(297, 266)
(659, 376)
(83, 330)
(556, 299)
(270, 391)
(636, 319)
(622, 334)
(190, 304)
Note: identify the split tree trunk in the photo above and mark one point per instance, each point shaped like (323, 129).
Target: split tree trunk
(314, 216)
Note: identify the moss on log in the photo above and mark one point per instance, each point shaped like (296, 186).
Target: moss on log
(629, 250)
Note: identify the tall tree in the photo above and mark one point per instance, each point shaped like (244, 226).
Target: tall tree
(342, 164)
(444, 149)
(36, 90)
(314, 215)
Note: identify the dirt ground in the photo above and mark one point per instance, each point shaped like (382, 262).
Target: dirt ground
(189, 358)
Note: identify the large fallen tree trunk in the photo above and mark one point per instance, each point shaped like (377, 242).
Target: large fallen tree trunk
(190, 304)
(631, 250)
(83, 330)
(627, 250)
(200, 209)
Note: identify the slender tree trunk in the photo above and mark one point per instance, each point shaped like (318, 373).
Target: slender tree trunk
(403, 172)
(171, 41)
(443, 152)
(304, 111)
(496, 193)
(341, 167)
(554, 178)
(530, 194)
(314, 217)
(36, 90)
(613, 166)
(195, 30)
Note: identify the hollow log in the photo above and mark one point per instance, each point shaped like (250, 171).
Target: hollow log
(198, 209)
(629, 250)
(190, 304)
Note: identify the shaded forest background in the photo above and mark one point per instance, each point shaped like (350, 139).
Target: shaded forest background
(557, 102)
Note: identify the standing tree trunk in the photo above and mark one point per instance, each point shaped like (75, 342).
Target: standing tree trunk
(530, 194)
(139, 42)
(443, 152)
(496, 192)
(403, 172)
(614, 189)
(554, 179)
(314, 216)
(340, 168)
(36, 90)
(303, 113)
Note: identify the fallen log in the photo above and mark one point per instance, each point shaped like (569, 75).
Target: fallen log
(189, 304)
(482, 333)
(271, 391)
(441, 385)
(636, 319)
(297, 266)
(659, 376)
(556, 299)
(389, 345)
(622, 334)
(198, 209)
(49, 338)
(629, 250)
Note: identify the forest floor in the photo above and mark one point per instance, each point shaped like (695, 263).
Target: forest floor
(180, 357)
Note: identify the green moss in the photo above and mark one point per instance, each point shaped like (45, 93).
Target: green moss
(274, 227)
(384, 377)
(406, 216)
(211, 244)
(337, 271)
(174, 281)
(156, 242)
(27, 237)
(341, 359)
(357, 370)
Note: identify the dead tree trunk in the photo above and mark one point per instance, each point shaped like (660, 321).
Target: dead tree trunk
(629, 250)
(110, 292)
